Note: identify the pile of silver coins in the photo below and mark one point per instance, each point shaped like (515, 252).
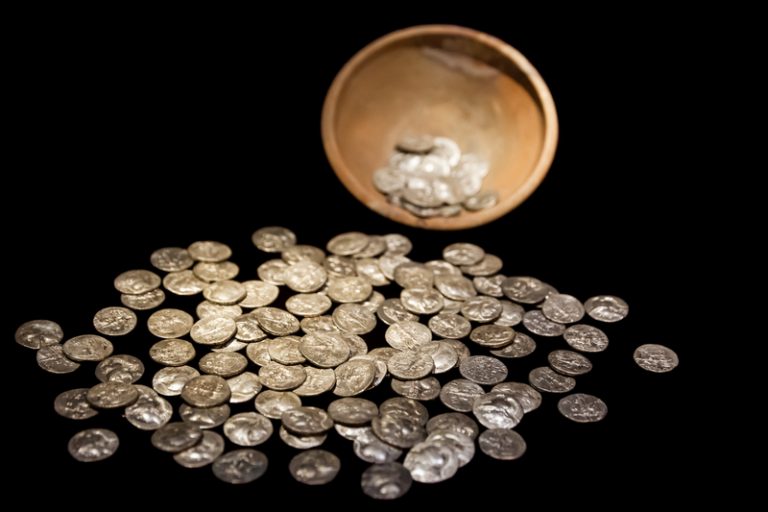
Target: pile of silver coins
(429, 177)
(452, 329)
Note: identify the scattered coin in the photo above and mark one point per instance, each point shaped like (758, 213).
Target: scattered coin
(51, 358)
(87, 347)
(72, 404)
(170, 323)
(240, 466)
(606, 308)
(144, 301)
(210, 447)
(586, 338)
(582, 408)
(314, 467)
(111, 395)
(386, 481)
(136, 282)
(36, 334)
(502, 444)
(171, 259)
(123, 368)
(656, 358)
(484, 370)
(93, 444)
(569, 363)
(248, 429)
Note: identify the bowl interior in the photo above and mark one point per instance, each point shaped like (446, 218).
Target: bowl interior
(442, 81)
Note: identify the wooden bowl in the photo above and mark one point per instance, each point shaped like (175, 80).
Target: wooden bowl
(441, 80)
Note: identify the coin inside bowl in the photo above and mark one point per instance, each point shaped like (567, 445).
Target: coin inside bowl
(441, 81)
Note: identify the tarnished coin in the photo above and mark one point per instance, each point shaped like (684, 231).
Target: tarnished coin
(172, 352)
(208, 309)
(484, 370)
(497, 410)
(347, 244)
(184, 282)
(135, 282)
(606, 308)
(248, 429)
(423, 301)
(487, 266)
(410, 365)
(213, 330)
(123, 368)
(420, 389)
(387, 481)
(450, 325)
(462, 445)
(314, 467)
(353, 319)
(171, 259)
(308, 304)
(407, 335)
(150, 411)
(537, 323)
(223, 364)
(175, 437)
(318, 381)
(454, 422)
(273, 404)
(144, 301)
(582, 408)
(273, 239)
(481, 309)
(398, 431)
(210, 447)
(490, 286)
(455, 287)
(586, 338)
(349, 289)
(170, 381)
(569, 363)
(511, 314)
(460, 394)
(219, 271)
(276, 321)
(655, 358)
(271, 272)
(51, 358)
(93, 444)
(205, 417)
(526, 396)
(354, 376)
(39, 333)
(563, 309)
(492, 336)
(352, 411)
(87, 347)
(111, 395)
(209, 251)
(522, 345)
(301, 442)
(240, 466)
(463, 254)
(546, 379)
(280, 377)
(502, 444)
(170, 323)
(206, 391)
(525, 290)
(307, 420)
(371, 449)
(225, 292)
(431, 462)
(72, 404)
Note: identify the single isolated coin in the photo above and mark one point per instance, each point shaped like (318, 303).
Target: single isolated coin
(93, 444)
(656, 358)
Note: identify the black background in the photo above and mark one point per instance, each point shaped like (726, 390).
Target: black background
(132, 137)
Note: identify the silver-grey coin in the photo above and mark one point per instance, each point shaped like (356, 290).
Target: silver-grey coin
(463, 446)
(170, 323)
(248, 429)
(240, 466)
(258, 352)
(352, 411)
(492, 336)
(423, 301)
(386, 481)
(431, 462)
(525, 290)
(455, 287)
(481, 201)
(73, 405)
(454, 422)
(481, 309)
(511, 314)
(582, 408)
(171, 259)
(144, 301)
(357, 345)
(526, 396)
(150, 411)
(172, 352)
(537, 323)
(184, 283)
(209, 251)
(223, 364)
(656, 358)
(487, 266)
(427, 388)
(388, 262)
(586, 338)
(233, 345)
(490, 285)
(273, 239)
(175, 437)
(419, 144)
(563, 309)
(273, 404)
(112, 395)
(371, 449)
(210, 447)
(443, 355)
(502, 444)
(170, 381)
(276, 321)
(353, 433)
(370, 270)
(441, 268)
(547, 380)
(301, 442)
(569, 363)
(462, 351)
(87, 347)
(51, 358)
(39, 333)
(244, 387)
(93, 444)
(306, 420)
(123, 368)
(205, 417)
(522, 345)
(206, 391)
(460, 394)
(407, 335)
(135, 282)
(463, 254)
(314, 467)
(498, 410)
(484, 370)
(606, 308)
(398, 431)
(315, 324)
(405, 408)
(373, 302)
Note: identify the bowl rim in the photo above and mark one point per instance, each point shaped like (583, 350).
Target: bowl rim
(543, 96)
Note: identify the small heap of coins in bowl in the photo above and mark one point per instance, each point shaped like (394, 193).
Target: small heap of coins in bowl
(239, 365)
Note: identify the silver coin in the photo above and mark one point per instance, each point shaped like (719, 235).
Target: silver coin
(462, 351)
(452, 306)
(582, 408)
(497, 410)
(421, 389)
(144, 301)
(324, 349)
(184, 283)
(423, 301)
(248, 328)
(219, 271)
(353, 319)
(248, 429)
(123, 368)
(655, 358)
(525, 290)
(273, 404)
(511, 314)
(357, 345)
(349, 289)
(258, 352)
(301, 442)
(502, 444)
(73, 405)
(272, 272)
(171, 259)
(206, 391)
(461, 445)
(481, 201)
(484, 370)
(388, 262)
(259, 294)
(586, 338)
(441, 268)
(606, 308)
(563, 309)
(377, 245)
(454, 422)
(276, 321)
(87, 347)
(398, 244)
(413, 275)
(112, 395)
(300, 252)
(523, 345)
(281, 377)
(388, 180)
(407, 335)
(210, 447)
(244, 387)
(353, 411)
(213, 331)
(39, 333)
(431, 462)
(398, 431)
(546, 379)
(492, 336)
(526, 396)
(443, 355)
(93, 444)
(406, 408)
(481, 309)
(170, 323)
(318, 324)
(460, 394)
(172, 352)
(463, 254)
(371, 449)
(307, 420)
(233, 345)
(170, 381)
(569, 363)
(410, 365)
(354, 376)
(347, 244)
(369, 269)
(537, 323)
(340, 266)
(450, 325)
(386, 481)
(487, 266)
(490, 286)
(135, 282)
(240, 466)
(285, 350)
(305, 276)
(205, 417)
(455, 287)
(318, 381)
(150, 411)
(51, 358)
(273, 239)
(420, 144)
(352, 433)
(223, 364)
(308, 304)
(225, 292)
(207, 309)
(209, 251)
(314, 467)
